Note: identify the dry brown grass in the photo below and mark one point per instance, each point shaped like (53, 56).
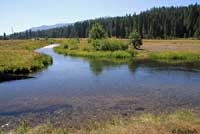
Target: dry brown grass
(171, 50)
(177, 123)
(171, 45)
(182, 122)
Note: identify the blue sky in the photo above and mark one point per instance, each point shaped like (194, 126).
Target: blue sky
(24, 14)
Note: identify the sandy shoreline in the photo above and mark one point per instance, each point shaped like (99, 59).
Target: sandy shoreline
(51, 46)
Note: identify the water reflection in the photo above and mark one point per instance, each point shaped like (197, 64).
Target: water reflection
(98, 66)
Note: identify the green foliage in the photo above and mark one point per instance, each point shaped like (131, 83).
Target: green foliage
(132, 52)
(113, 45)
(97, 44)
(50, 41)
(97, 32)
(110, 45)
(178, 55)
(20, 58)
(135, 39)
(105, 48)
(22, 129)
(121, 54)
(71, 44)
(95, 54)
(181, 58)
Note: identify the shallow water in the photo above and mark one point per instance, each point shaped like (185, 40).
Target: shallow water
(75, 89)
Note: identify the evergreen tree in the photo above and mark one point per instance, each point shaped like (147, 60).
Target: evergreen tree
(4, 36)
(97, 32)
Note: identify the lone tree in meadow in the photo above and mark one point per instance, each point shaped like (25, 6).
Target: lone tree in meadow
(97, 32)
(135, 39)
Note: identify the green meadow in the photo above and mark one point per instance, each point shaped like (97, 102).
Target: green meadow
(18, 56)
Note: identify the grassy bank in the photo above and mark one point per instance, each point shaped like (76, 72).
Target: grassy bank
(182, 122)
(18, 56)
(94, 54)
(173, 58)
(178, 55)
(110, 48)
(172, 52)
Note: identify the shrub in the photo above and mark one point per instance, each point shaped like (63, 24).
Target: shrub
(113, 45)
(135, 39)
(71, 44)
(109, 45)
(132, 52)
(97, 44)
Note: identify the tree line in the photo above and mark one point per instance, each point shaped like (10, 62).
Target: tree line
(156, 23)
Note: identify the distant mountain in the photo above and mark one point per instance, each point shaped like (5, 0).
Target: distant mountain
(46, 27)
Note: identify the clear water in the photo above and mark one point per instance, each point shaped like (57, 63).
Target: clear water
(77, 88)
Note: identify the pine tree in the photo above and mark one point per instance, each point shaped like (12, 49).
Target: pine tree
(4, 36)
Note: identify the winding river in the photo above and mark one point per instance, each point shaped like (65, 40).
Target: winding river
(72, 90)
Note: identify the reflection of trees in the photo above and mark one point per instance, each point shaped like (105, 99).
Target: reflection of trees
(132, 66)
(9, 77)
(97, 66)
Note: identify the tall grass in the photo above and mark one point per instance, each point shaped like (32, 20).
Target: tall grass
(95, 54)
(17, 56)
(189, 59)
(181, 122)
(109, 48)
(178, 55)
(118, 48)
(110, 45)
(22, 44)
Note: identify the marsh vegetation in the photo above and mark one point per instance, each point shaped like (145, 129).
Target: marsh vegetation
(181, 122)
(18, 56)
(174, 52)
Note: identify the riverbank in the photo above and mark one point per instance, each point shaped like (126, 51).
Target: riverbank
(181, 122)
(105, 90)
(18, 56)
(110, 48)
(170, 52)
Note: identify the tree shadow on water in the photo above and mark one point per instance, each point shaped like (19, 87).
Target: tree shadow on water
(10, 77)
(98, 66)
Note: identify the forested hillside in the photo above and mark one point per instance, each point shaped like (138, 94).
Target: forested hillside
(165, 23)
